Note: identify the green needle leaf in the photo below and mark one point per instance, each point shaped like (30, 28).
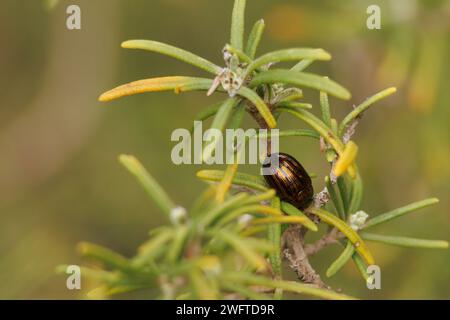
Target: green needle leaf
(400, 212)
(351, 234)
(240, 179)
(334, 197)
(208, 112)
(334, 125)
(291, 286)
(203, 288)
(263, 109)
(289, 209)
(317, 125)
(363, 107)
(255, 38)
(252, 231)
(357, 194)
(219, 123)
(149, 249)
(242, 247)
(302, 65)
(154, 190)
(291, 94)
(298, 105)
(341, 260)
(237, 117)
(258, 198)
(301, 79)
(252, 209)
(229, 204)
(282, 220)
(238, 24)
(104, 255)
(361, 266)
(344, 191)
(239, 53)
(405, 241)
(177, 245)
(288, 55)
(325, 106)
(173, 52)
(107, 277)
(274, 236)
(290, 133)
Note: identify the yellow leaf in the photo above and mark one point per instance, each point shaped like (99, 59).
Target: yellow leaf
(281, 219)
(209, 263)
(226, 182)
(346, 160)
(351, 234)
(176, 83)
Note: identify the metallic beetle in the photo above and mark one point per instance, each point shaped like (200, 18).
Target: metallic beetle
(289, 179)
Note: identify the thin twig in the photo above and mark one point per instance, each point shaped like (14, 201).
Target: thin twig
(350, 130)
(298, 259)
(330, 238)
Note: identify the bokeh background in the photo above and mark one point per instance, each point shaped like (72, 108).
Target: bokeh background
(60, 181)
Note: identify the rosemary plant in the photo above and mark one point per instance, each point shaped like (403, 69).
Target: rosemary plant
(232, 242)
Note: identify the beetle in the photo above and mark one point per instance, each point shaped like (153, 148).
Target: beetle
(289, 179)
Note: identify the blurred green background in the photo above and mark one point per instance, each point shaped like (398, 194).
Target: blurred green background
(60, 181)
